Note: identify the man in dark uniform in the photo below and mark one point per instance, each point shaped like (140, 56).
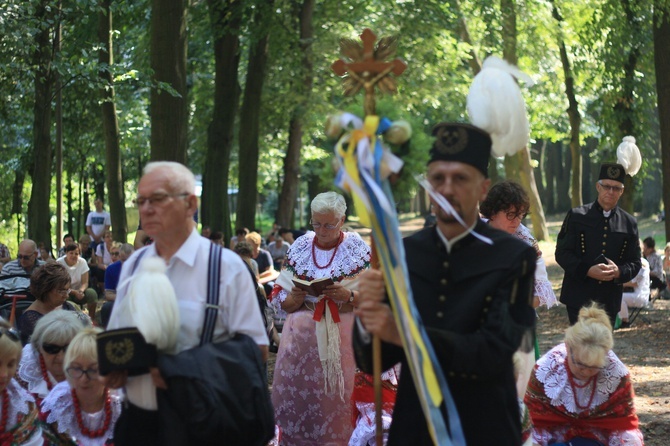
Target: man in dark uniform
(474, 299)
(598, 248)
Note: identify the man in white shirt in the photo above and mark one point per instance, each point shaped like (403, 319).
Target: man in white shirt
(97, 222)
(167, 203)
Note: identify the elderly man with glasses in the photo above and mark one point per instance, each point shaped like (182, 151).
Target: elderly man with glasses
(167, 202)
(598, 248)
(26, 261)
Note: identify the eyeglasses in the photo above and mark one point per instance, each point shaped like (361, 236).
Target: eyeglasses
(327, 226)
(114, 253)
(608, 188)
(10, 333)
(64, 292)
(78, 372)
(28, 257)
(157, 199)
(511, 216)
(54, 349)
(584, 366)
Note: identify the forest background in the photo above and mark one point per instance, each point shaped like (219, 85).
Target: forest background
(240, 90)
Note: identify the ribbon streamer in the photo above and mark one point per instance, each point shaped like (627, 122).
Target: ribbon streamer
(365, 167)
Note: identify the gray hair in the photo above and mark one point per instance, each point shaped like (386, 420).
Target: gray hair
(56, 327)
(327, 202)
(181, 178)
(127, 248)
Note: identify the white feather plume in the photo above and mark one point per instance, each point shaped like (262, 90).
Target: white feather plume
(628, 155)
(152, 302)
(495, 104)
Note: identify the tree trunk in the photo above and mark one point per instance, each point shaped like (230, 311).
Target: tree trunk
(662, 67)
(225, 17)
(250, 120)
(518, 166)
(624, 110)
(291, 183)
(39, 215)
(573, 113)
(110, 125)
(70, 210)
(539, 150)
(169, 113)
(550, 176)
(563, 202)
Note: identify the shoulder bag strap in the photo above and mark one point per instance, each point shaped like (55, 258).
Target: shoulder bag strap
(212, 307)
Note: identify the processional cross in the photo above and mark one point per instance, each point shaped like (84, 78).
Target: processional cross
(368, 68)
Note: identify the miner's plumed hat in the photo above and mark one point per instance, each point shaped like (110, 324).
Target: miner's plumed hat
(463, 143)
(612, 171)
(629, 162)
(498, 113)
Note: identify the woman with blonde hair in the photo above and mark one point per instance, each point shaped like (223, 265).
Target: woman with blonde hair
(18, 413)
(81, 410)
(580, 392)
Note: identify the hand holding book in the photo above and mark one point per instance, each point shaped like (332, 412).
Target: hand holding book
(314, 287)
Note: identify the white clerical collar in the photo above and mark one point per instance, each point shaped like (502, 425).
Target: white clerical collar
(606, 214)
(452, 242)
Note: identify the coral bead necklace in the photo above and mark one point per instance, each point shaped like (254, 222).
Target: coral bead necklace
(45, 374)
(574, 385)
(5, 412)
(80, 422)
(315, 244)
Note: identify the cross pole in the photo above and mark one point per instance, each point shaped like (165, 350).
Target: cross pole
(368, 69)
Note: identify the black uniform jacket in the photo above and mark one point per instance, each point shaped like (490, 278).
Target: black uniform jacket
(586, 234)
(475, 303)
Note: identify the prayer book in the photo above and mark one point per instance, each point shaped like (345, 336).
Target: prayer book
(315, 287)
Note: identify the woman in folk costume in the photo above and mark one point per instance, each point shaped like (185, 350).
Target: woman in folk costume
(363, 404)
(18, 410)
(314, 372)
(41, 366)
(580, 392)
(81, 411)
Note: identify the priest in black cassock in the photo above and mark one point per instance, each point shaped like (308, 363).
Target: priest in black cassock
(598, 246)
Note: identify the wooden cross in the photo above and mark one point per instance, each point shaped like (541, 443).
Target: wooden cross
(367, 67)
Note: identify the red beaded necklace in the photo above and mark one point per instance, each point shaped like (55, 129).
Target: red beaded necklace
(573, 384)
(314, 246)
(45, 374)
(5, 411)
(80, 422)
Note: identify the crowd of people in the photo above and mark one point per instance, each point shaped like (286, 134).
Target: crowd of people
(476, 275)
(476, 299)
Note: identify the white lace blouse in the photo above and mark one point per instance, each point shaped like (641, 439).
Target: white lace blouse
(60, 409)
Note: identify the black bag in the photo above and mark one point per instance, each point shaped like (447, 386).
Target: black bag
(217, 392)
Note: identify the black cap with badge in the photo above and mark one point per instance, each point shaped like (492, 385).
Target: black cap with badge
(464, 143)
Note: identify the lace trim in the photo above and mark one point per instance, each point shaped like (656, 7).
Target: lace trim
(60, 413)
(541, 284)
(21, 402)
(31, 373)
(551, 371)
(351, 259)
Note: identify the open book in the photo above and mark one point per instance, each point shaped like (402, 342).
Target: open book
(315, 287)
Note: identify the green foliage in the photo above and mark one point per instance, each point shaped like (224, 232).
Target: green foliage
(600, 37)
